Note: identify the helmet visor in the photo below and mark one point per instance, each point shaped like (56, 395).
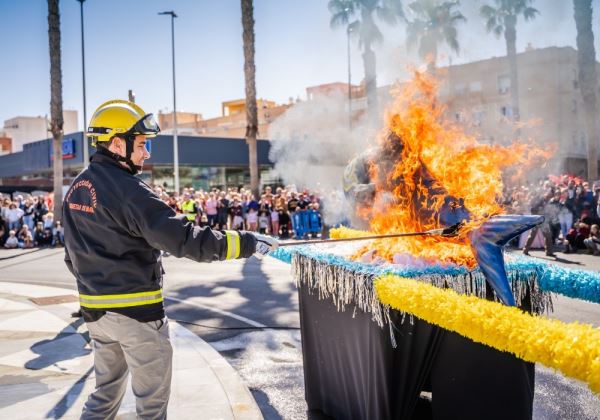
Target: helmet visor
(146, 126)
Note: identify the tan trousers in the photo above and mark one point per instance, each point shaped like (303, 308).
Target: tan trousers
(546, 232)
(122, 345)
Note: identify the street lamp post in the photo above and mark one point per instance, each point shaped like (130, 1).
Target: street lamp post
(86, 152)
(175, 143)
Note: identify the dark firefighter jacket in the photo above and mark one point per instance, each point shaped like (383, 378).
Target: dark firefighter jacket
(115, 227)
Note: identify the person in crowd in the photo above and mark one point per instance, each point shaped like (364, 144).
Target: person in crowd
(2, 232)
(58, 236)
(252, 220)
(48, 220)
(28, 213)
(172, 202)
(314, 220)
(565, 214)
(25, 237)
(189, 207)
(200, 215)
(540, 206)
(237, 219)
(592, 242)
(211, 210)
(596, 205)
(576, 236)
(12, 241)
(223, 211)
(40, 236)
(13, 216)
(292, 204)
(20, 202)
(40, 209)
(275, 221)
(263, 221)
(284, 222)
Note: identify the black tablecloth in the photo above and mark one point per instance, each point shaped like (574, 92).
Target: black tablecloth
(351, 370)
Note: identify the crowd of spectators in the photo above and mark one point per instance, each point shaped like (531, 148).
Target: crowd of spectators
(28, 223)
(570, 206)
(283, 213)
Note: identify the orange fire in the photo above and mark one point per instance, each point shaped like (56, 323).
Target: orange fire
(456, 162)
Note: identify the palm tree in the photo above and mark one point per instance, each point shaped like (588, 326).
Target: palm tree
(250, 76)
(588, 80)
(56, 107)
(502, 19)
(358, 18)
(434, 23)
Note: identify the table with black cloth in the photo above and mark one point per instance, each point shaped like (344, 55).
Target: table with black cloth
(352, 371)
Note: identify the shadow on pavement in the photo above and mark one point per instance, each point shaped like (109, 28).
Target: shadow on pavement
(61, 407)
(260, 302)
(61, 347)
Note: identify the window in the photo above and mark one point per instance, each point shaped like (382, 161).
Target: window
(475, 87)
(460, 88)
(503, 84)
(506, 111)
(477, 118)
(582, 143)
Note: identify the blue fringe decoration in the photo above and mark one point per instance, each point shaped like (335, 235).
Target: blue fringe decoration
(577, 284)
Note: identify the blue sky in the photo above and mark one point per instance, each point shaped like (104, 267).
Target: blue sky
(128, 46)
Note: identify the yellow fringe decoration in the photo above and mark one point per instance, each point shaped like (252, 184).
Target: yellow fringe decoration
(572, 348)
(344, 232)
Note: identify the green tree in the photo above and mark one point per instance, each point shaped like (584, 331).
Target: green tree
(250, 78)
(359, 18)
(588, 80)
(433, 23)
(502, 20)
(56, 105)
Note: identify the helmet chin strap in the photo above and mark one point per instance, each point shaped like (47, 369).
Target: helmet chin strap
(132, 167)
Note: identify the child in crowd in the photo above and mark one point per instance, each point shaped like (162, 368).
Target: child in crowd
(48, 220)
(576, 236)
(252, 220)
(275, 222)
(237, 221)
(12, 241)
(58, 236)
(592, 243)
(25, 237)
(263, 221)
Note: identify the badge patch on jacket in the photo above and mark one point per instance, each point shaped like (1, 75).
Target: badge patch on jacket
(82, 197)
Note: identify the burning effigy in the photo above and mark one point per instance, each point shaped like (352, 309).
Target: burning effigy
(428, 179)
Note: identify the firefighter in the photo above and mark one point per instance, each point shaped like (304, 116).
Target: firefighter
(115, 229)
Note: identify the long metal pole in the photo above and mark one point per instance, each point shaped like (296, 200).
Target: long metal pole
(434, 232)
(349, 82)
(175, 142)
(86, 152)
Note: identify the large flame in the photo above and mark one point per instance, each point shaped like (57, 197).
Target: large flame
(457, 165)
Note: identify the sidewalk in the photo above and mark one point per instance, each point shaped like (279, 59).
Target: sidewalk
(46, 364)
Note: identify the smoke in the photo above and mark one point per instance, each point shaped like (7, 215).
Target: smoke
(312, 143)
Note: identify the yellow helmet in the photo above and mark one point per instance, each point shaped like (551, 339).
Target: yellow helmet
(120, 117)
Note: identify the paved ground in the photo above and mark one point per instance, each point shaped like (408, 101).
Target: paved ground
(46, 363)
(229, 304)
